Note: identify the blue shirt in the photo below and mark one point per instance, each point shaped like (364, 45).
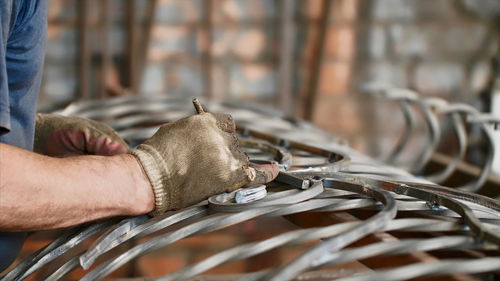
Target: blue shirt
(23, 28)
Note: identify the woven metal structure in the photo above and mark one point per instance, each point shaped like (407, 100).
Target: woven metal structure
(320, 175)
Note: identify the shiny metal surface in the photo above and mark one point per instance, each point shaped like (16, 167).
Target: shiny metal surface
(342, 181)
(431, 109)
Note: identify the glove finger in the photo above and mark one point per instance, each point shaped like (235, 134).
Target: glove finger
(264, 173)
(106, 130)
(225, 122)
(65, 143)
(101, 139)
(75, 142)
(103, 145)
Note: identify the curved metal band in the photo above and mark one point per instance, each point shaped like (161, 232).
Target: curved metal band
(471, 218)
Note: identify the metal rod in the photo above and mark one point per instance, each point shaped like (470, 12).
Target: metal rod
(309, 97)
(83, 42)
(145, 40)
(106, 60)
(206, 47)
(287, 40)
(130, 77)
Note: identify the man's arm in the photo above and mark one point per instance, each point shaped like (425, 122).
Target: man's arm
(40, 192)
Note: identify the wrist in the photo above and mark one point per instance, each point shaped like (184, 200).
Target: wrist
(142, 196)
(156, 171)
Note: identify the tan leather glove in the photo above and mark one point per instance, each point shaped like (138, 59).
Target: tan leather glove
(194, 158)
(61, 136)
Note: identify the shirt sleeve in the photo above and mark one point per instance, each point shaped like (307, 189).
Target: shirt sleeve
(4, 84)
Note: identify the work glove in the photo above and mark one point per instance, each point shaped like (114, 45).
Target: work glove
(194, 158)
(62, 136)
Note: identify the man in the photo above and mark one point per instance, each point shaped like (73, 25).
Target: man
(182, 164)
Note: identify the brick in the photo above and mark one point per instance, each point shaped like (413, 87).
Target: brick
(210, 241)
(59, 82)
(288, 253)
(177, 11)
(340, 10)
(261, 229)
(249, 44)
(159, 265)
(38, 240)
(252, 80)
(238, 266)
(222, 41)
(264, 261)
(439, 78)
(78, 273)
(154, 78)
(168, 41)
(371, 42)
(33, 277)
(393, 10)
(340, 42)
(307, 37)
(437, 40)
(309, 9)
(409, 41)
(338, 115)
(443, 10)
(185, 78)
(461, 38)
(381, 71)
(334, 78)
(61, 44)
(409, 10)
(61, 10)
(344, 10)
(234, 10)
(220, 81)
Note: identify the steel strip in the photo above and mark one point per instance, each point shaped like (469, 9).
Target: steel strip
(375, 223)
(35, 257)
(209, 224)
(63, 248)
(398, 248)
(139, 231)
(453, 211)
(299, 236)
(431, 269)
(471, 112)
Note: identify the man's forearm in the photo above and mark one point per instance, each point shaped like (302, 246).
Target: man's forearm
(40, 192)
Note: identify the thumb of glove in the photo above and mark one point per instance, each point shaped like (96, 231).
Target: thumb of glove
(262, 173)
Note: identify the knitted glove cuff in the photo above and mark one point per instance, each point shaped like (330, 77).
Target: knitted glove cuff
(156, 170)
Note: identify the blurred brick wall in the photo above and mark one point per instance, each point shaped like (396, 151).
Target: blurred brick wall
(433, 46)
(436, 47)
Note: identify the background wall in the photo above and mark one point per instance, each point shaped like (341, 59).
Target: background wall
(231, 49)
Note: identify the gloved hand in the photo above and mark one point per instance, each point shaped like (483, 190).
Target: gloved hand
(61, 136)
(194, 158)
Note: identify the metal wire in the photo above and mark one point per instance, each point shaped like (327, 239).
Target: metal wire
(342, 180)
(431, 269)
(431, 107)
